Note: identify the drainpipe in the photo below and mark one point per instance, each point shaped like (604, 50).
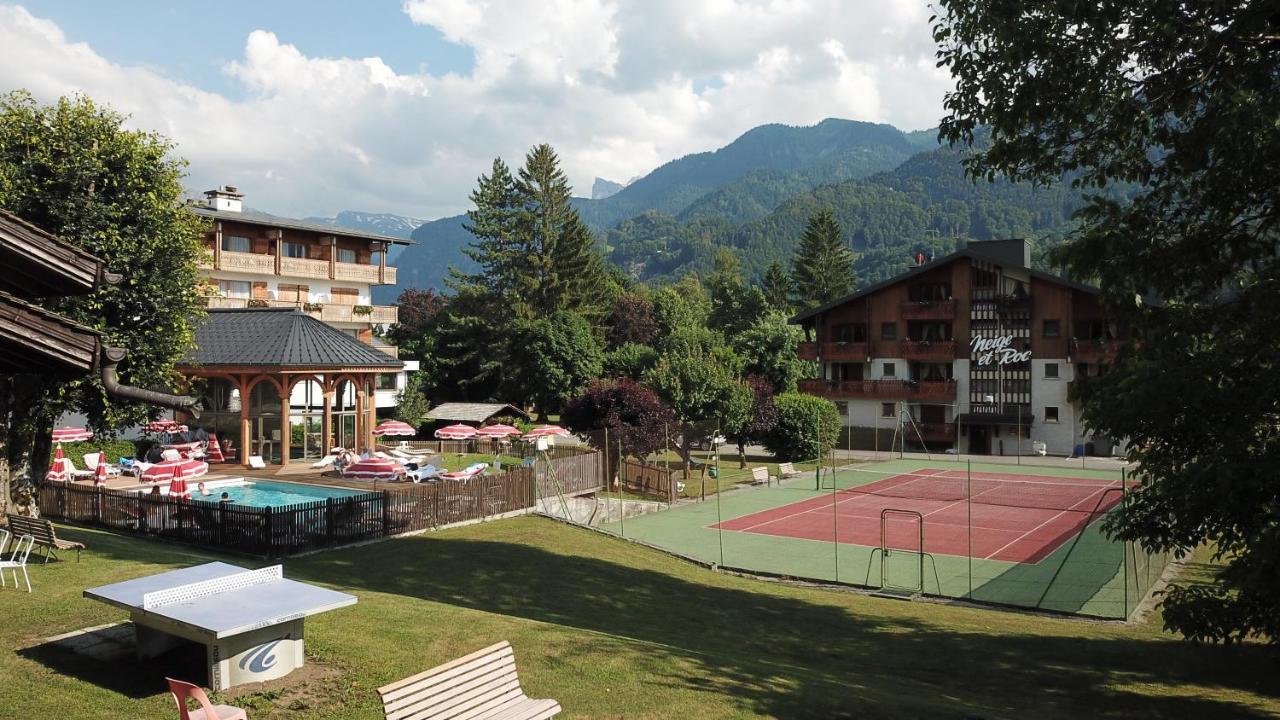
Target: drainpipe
(111, 382)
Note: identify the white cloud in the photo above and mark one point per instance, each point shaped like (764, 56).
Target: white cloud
(618, 87)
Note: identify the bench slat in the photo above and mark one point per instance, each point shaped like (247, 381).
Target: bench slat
(432, 682)
(495, 648)
(437, 711)
(528, 709)
(472, 691)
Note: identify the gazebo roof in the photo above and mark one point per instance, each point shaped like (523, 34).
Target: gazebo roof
(279, 338)
(473, 412)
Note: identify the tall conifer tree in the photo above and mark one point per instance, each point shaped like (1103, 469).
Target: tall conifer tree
(777, 288)
(823, 267)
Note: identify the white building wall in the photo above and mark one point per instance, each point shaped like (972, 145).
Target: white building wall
(1059, 437)
(320, 290)
(901, 369)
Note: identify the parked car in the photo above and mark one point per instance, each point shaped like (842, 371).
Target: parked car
(708, 442)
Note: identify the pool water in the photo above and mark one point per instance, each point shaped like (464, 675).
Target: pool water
(262, 493)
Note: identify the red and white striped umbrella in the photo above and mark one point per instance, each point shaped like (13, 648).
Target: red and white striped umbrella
(213, 453)
(70, 434)
(395, 427)
(58, 469)
(164, 425)
(547, 431)
(100, 472)
(456, 432)
(373, 469)
(498, 431)
(185, 468)
(178, 485)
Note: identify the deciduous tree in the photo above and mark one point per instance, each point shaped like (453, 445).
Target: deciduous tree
(1179, 99)
(634, 417)
(807, 427)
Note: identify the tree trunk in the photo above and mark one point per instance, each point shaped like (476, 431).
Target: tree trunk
(742, 454)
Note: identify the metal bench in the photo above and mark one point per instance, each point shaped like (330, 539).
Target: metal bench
(481, 685)
(42, 531)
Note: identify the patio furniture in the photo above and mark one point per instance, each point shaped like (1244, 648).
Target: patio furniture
(21, 551)
(426, 472)
(76, 473)
(257, 463)
(91, 463)
(760, 475)
(324, 462)
(373, 469)
(184, 691)
(787, 470)
(43, 532)
(481, 685)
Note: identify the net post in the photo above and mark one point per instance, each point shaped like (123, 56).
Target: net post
(1124, 563)
(835, 525)
(968, 502)
(715, 449)
(622, 505)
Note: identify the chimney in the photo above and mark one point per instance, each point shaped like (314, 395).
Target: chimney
(227, 197)
(1006, 253)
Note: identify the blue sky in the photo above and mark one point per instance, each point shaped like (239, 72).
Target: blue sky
(315, 107)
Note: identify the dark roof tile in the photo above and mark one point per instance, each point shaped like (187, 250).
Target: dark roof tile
(278, 337)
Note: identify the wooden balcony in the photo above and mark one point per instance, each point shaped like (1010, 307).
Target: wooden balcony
(309, 268)
(887, 389)
(1094, 352)
(927, 349)
(835, 351)
(929, 310)
(328, 312)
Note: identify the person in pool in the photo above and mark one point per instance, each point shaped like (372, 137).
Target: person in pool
(226, 498)
(203, 490)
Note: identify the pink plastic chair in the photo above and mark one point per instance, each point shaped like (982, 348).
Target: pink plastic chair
(183, 691)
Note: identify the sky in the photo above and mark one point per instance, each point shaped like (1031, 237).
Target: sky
(318, 106)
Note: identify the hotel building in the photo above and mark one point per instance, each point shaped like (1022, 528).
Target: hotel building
(974, 352)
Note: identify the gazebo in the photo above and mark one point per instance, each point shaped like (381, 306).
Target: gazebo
(286, 385)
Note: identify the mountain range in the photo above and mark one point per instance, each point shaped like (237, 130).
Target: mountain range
(894, 193)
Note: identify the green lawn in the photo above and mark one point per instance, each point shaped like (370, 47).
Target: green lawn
(614, 630)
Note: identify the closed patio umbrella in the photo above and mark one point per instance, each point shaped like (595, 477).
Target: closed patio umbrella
(58, 470)
(214, 452)
(100, 472)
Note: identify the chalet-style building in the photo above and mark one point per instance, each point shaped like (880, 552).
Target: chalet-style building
(255, 259)
(962, 353)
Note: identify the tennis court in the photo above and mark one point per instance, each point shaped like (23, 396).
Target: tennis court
(1028, 536)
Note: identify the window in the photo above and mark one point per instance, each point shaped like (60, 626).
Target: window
(1052, 328)
(890, 370)
(887, 410)
(386, 381)
(234, 288)
(1051, 371)
(236, 243)
(842, 407)
(294, 250)
(889, 331)
(346, 255)
(1051, 414)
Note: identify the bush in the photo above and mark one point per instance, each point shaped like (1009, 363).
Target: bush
(115, 450)
(629, 361)
(806, 429)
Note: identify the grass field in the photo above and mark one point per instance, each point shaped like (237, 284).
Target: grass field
(1091, 575)
(614, 630)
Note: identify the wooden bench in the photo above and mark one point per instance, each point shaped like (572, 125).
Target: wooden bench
(481, 685)
(42, 531)
(787, 470)
(759, 475)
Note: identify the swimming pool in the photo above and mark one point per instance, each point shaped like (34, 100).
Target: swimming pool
(264, 493)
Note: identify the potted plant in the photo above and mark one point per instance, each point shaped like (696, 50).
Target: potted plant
(362, 309)
(313, 306)
(257, 303)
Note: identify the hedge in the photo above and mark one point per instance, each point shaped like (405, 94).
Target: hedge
(807, 427)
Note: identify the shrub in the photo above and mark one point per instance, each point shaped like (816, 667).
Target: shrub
(806, 429)
(115, 450)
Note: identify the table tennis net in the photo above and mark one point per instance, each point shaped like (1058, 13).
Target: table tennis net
(1074, 494)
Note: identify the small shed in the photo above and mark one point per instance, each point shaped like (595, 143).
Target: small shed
(475, 412)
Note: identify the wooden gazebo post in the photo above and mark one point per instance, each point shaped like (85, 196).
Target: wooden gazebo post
(372, 395)
(326, 423)
(284, 420)
(244, 421)
(362, 418)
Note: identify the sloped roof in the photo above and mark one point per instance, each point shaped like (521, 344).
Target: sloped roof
(279, 337)
(257, 217)
(39, 264)
(473, 412)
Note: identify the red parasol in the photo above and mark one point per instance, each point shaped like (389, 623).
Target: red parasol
(186, 469)
(164, 425)
(70, 434)
(547, 431)
(395, 427)
(58, 470)
(100, 472)
(213, 453)
(456, 432)
(178, 485)
(498, 431)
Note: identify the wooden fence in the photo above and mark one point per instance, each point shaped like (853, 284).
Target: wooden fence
(575, 474)
(649, 480)
(485, 446)
(292, 529)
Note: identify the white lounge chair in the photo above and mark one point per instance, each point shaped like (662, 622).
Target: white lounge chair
(256, 462)
(426, 472)
(21, 551)
(91, 463)
(324, 462)
(75, 473)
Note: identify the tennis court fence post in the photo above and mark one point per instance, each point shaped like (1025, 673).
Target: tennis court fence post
(622, 481)
(968, 501)
(835, 526)
(1124, 554)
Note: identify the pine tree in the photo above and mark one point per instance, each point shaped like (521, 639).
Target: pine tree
(823, 267)
(777, 288)
(493, 223)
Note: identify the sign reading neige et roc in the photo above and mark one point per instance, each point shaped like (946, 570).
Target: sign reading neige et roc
(997, 350)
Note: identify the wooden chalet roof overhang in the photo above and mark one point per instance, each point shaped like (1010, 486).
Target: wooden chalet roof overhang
(33, 339)
(38, 264)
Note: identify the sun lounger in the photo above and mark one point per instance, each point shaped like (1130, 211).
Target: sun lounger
(324, 462)
(91, 464)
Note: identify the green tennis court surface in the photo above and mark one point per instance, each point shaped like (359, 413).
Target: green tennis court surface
(1022, 536)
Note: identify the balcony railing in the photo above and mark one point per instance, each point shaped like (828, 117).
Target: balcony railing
(927, 349)
(929, 310)
(834, 351)
(265, 264)
(330, 313)
(1094, 351)
(885, 388)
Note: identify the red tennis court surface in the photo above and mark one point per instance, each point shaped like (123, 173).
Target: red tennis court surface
(1015, 518)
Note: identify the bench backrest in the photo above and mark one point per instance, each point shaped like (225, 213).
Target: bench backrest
(41, 530)
(786, 469)
(469, 686)
(760, 473)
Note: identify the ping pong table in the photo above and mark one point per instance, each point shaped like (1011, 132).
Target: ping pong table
(250, 621)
